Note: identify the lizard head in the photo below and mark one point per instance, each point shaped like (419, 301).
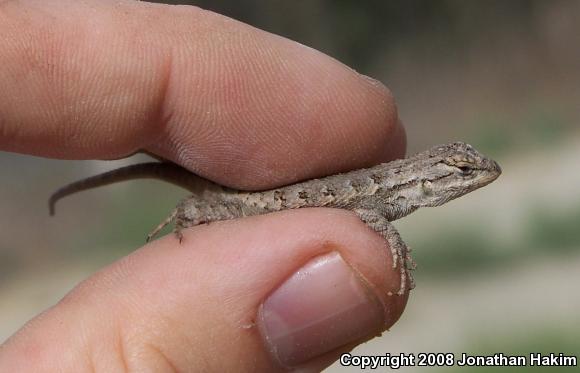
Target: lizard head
(453, 170)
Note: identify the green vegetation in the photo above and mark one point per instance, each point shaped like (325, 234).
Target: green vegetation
(501, 134)
(128, 221)
(546, 233)
(560, 232)
(9, 264)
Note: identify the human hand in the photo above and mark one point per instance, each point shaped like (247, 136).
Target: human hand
(247, 109)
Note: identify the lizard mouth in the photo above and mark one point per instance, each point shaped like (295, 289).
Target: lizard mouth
(493, 170)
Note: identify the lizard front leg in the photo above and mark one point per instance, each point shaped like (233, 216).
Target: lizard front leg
(399, 250)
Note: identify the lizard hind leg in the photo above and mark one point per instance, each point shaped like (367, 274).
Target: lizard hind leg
(162, 225)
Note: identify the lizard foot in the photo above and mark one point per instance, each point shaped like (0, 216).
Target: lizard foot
(407, 267)
(399, 249)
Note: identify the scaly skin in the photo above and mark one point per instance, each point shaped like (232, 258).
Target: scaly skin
(378, 195)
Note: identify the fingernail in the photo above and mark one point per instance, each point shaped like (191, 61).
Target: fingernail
(323, 306)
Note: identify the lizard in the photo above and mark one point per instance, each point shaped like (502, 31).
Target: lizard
(377, 195)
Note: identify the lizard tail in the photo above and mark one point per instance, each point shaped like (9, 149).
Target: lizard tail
(166, 171)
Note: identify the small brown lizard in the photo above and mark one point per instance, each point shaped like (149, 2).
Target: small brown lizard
(378, 195)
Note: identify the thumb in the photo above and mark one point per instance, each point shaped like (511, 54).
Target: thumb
(290, 289)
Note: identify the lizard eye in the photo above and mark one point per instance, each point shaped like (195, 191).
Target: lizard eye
(465, 170)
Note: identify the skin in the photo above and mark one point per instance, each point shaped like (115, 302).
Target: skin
(103, 79)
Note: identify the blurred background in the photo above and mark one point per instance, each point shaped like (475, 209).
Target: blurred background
(499, 271)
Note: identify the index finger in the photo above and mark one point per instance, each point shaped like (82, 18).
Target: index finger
(240, 106)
